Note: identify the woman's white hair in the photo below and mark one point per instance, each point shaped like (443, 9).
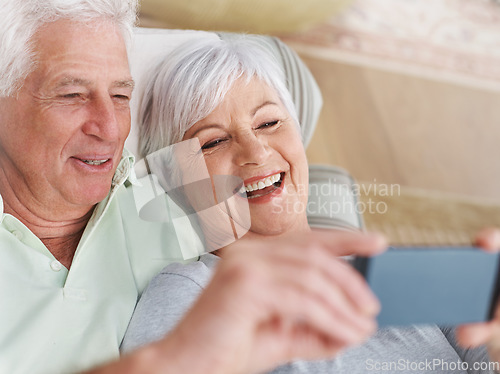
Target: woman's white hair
(20, 20)
(190, 82)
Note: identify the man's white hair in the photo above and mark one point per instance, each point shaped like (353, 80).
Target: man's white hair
(20, 20)
(189, 83)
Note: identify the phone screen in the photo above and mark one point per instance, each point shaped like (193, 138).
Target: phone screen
(444, 286)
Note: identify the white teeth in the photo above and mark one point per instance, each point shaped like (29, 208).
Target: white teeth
(95, 162)
(263, 183)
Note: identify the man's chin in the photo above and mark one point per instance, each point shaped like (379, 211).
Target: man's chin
(90, 195)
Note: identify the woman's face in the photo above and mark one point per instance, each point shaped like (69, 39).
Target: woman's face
(252, 136)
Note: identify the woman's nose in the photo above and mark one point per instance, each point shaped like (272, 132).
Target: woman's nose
(252, 149)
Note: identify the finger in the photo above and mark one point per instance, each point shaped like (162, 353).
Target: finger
(313, 346)
(356, 288)
(474, 334)
(315, 252)
(337, 243)
(303, 308)
(347, 243)
(302, 342)
(489, 239)
(308, 344)
(324, 288)
(342, 274)
(323, 300)
(349, 280)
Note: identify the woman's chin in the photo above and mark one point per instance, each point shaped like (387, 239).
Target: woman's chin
(277, 228)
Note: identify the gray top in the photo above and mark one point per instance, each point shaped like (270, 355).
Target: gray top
(416, 349)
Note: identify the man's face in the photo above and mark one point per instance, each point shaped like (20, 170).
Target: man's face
(62, 136)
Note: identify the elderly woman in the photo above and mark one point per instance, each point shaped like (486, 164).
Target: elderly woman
(231, 97)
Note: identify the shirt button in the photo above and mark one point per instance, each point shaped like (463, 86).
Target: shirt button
(17, 234)
(55, 265)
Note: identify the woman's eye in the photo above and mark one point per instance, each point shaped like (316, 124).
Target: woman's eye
(268, 124)
(212, 143)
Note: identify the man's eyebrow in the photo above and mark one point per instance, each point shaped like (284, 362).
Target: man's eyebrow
(256, 109)
(127, 83)
(72, 81)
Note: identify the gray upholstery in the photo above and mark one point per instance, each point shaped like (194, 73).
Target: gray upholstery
(333, 199)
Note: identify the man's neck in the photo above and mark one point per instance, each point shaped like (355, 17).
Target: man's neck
(60, 234)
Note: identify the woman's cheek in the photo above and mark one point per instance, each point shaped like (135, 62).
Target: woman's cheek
(216, 164)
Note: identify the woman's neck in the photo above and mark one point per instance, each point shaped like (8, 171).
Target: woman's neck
(251, 235)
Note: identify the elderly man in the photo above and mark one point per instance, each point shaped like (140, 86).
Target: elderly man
(75, 256)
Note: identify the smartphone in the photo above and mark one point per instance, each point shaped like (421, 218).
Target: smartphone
(438, 285)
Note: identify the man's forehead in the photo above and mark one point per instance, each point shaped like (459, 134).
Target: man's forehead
(81, 55)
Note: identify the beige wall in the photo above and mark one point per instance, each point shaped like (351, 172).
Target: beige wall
(415, 131)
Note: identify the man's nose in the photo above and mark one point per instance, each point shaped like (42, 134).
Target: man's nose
(252, 149)
(102, 121)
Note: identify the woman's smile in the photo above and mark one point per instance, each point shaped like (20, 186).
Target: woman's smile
(251, 135)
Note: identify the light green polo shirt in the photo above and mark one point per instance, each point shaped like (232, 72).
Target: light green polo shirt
(57, 321)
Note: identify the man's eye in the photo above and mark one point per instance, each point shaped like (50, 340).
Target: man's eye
(72, 95)
(213, 143)
(122, 97)
(268, 124)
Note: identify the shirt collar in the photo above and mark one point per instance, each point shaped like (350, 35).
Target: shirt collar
(125, 170)
(124, 173)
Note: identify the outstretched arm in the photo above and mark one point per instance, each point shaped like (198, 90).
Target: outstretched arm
(269, 303)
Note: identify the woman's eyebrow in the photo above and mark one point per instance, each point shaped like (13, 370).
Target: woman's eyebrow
(205, 127)
(262, 106)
